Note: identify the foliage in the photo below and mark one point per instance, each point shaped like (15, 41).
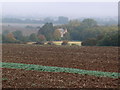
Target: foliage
(50, 43)
(18, 35)
(41, 37)
(90, 32)
(87, 31)
(74, 23)
(66, 36)
(81, 30)
(64, 43)
(24, 39)
(74, 44)
(89, 42)
(57, 35)
(47, 30)
(110, 39)
(59, 69)
(40, 42)
(87, 23)
(33, 37)
(9, 38)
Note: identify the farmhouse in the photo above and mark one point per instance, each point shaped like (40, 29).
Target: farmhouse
(62, 31)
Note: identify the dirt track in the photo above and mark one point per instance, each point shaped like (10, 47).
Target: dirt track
(88, 58)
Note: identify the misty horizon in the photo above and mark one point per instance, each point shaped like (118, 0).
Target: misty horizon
(55, 9)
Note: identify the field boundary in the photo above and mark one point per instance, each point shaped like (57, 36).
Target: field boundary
(58, 69)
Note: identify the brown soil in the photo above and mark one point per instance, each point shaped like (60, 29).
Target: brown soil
(33, 79)
(89, 58)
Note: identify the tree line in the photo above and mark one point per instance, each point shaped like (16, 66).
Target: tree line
(88, 31)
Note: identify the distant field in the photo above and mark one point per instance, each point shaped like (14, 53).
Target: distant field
(70, 43)
(59, 42)
(21, 24)
(21, 27)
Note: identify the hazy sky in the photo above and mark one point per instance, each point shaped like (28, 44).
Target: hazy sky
(69, 9)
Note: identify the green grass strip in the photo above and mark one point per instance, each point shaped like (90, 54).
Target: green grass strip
(4, 79)
(58, 69)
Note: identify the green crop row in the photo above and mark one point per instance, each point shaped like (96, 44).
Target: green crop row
(59, 69)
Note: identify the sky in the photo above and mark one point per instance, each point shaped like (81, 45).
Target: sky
(59, 0)
(55, 9)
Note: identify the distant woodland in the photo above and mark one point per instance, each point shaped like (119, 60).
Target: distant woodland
(88, 31)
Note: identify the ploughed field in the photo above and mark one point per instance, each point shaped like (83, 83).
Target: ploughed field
(103, 59)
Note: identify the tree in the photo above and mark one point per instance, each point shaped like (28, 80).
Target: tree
(75, 35)
(4, 39)
(74, 23)
(33, 37)
(64, 43)
(47, 30)
(110, 39)
(18, 35)
(57, 35)
(87, 23)
(66, 36)
(24, 39)
(89, 42)
(41, 37)
(50, 43)
(9, 38)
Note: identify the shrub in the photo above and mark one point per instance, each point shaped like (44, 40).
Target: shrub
(89, 42)
(41, 43)
(74, 44)
(110, 39)
(50, 43)
(64, 43)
